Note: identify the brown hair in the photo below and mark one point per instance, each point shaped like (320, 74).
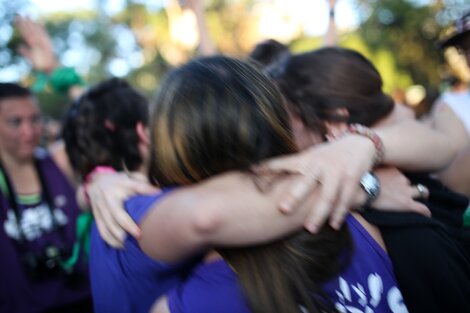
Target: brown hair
(216, 114)
(317, 83)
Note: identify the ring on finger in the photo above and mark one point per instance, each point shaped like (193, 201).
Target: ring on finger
(422, 190)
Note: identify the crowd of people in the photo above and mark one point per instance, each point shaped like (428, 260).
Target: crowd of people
(277, 183)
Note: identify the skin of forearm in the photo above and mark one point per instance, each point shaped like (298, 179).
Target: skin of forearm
(226, 211)
(457, 175)
(410, 145)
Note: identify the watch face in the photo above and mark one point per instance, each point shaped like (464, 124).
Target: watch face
(370, 183)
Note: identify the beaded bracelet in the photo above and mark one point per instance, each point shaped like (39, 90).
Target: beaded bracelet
(362, 130)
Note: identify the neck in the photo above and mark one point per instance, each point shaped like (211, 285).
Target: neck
(22, 174)
(11, 163)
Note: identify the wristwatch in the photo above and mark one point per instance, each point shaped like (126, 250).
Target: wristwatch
(371, 185)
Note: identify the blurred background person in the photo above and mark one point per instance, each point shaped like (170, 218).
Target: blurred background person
(38, 212)
(451, 114)
(41, 269)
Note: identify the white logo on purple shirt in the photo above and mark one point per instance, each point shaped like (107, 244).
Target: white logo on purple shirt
(354, 298)
(35, 221)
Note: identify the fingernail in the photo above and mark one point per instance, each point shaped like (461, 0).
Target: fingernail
(335, 225)
(311, 227)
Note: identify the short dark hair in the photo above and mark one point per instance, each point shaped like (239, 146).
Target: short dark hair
(99, 128)
(12, 90)
(268, 52)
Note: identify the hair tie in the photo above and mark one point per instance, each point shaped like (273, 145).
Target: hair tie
(110, 126)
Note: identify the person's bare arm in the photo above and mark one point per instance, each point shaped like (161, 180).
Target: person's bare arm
(228, 210)
(409, 145)
(38, 50)
(448, 123)
(399, 114)
(457, 175)
(37, 47)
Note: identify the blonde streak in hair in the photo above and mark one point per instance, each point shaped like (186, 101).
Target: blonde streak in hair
(183, 134)
(165, 151)
(266, 96)
(181, 144)
(266, 104)
(165, 147)
(162, 146)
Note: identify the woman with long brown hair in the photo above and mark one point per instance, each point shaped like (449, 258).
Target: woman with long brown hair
(292, 273)
(239, 120)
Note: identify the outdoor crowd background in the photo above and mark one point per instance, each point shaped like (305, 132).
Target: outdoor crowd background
(144, 39)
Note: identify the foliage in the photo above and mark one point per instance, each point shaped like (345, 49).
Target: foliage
(399, 36)
(411, 30)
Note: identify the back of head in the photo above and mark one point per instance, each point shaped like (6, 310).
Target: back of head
(212, 115)
(100, 127)
(12, 90)
(217, 114)
(269, 52)
(317, 83)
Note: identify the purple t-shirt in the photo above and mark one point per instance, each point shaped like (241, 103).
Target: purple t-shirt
(211, 287)
(367, 285)
(19, 292)
(127, 280)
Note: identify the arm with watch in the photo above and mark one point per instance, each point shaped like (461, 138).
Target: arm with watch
(406, 145)
(218, 214)
(215, 213)
(388, 189)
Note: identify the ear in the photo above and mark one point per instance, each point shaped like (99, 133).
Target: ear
(142, 133)
(335, 129)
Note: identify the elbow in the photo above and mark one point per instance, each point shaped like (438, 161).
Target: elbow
(446, 152)
(452, 151)
(206, 223)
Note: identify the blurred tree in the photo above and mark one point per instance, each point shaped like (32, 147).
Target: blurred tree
(409, 30)
(9, 42)
(137, 41)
